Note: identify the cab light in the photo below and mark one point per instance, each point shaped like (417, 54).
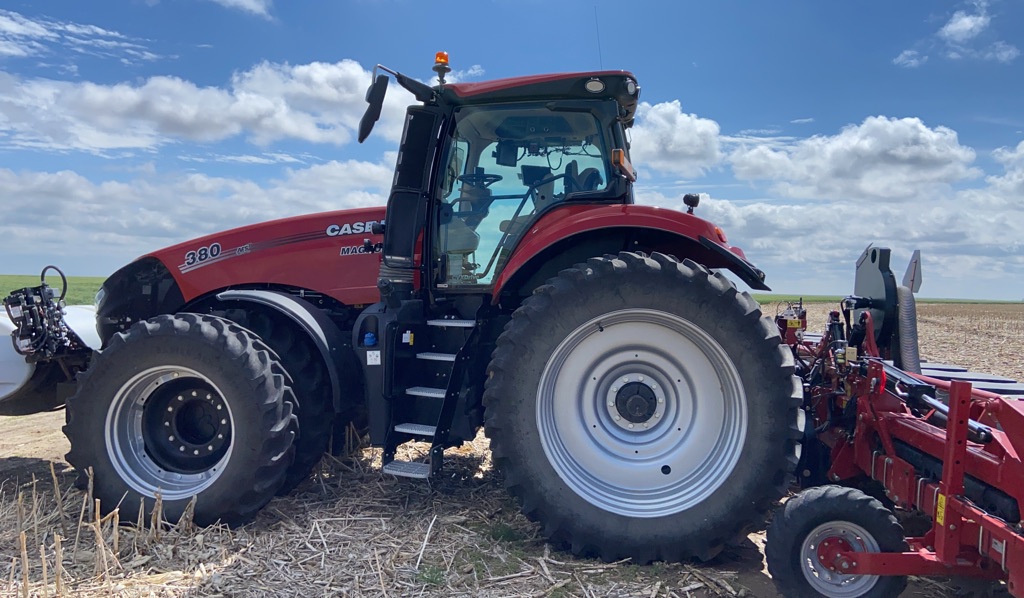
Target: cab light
(721, 235)
(441, 58)
(621, 163)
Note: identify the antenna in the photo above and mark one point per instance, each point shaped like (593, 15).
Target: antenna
(597, 27)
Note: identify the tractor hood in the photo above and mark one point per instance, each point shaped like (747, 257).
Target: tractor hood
(322, 252)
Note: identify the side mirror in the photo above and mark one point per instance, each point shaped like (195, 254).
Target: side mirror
(375, 99)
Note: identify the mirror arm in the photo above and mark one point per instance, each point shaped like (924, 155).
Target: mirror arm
(421, 91)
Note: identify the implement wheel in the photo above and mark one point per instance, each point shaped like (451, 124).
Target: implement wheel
(183, 406)
(641, 407)
(815, 521)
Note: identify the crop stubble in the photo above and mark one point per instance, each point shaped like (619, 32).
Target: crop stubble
(352, 531)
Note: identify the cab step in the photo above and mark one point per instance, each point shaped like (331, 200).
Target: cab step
(417, 429)
(408, 469)
(452, 323)
(424, 391)
(436, 356)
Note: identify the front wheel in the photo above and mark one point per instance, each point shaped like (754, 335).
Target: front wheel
(184, 406)
(815, 522)
(642, 407)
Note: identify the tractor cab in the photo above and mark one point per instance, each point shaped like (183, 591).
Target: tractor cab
(479, 164)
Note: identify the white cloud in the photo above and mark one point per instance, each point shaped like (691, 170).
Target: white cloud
(473, 72)
(1001, 52)
(968, 34)
(880, 158)
(910, 59)
(22, 36)
(1010, 185)
(801, 121)
(669, 140)
(317, 102)
(963, 27)
(102, 224)
(811, 247)
(256, 7)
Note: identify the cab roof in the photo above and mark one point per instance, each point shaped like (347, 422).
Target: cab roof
(620, 86)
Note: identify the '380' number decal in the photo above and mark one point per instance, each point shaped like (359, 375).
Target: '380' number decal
(202, 254)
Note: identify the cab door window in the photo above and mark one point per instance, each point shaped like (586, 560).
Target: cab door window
(506, 165)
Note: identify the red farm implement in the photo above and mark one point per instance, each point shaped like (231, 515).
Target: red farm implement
(884, 438)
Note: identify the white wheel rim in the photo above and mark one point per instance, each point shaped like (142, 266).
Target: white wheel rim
(688, 441)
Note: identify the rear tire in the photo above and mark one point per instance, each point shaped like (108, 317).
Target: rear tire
(183, 405)
(831, 513)
(311, 384)
(643, 408)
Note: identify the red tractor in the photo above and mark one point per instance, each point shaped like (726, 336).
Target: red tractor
(638, 404)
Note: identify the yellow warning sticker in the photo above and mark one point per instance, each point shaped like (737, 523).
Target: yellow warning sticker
(793, 323)
(940, 510)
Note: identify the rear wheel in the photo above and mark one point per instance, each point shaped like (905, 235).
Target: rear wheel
(184, 406)
(643, 408)
(807, 530)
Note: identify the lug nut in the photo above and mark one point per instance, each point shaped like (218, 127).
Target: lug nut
(181, 398)
(195, 394)
(170, 438)
(630, 426)
(195, 452)
(181, 448)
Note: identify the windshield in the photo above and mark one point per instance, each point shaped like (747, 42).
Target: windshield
(504, 166)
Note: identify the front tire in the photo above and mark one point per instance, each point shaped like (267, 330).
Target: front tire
(836, 514)
(184, 406)
(641, 407)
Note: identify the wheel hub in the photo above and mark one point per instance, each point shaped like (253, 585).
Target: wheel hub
(185, 426)
(636, 402)
(822, 566)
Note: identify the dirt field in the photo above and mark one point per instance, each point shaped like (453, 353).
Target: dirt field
(356, 532)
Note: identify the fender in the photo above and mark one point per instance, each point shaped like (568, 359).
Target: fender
(567, 220)
(327, 337)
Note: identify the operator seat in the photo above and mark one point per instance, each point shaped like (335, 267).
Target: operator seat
(588, 180)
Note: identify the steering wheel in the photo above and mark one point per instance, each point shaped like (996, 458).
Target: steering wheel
(482, 180)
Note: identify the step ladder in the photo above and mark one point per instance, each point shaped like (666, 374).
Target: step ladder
(424, 410)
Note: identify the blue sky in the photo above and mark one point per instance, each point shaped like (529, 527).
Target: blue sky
(812, 128)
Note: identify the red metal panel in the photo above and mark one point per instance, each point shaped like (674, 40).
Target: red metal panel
(948, 519)
(466, 90)
(569, 219)
(321, 252)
